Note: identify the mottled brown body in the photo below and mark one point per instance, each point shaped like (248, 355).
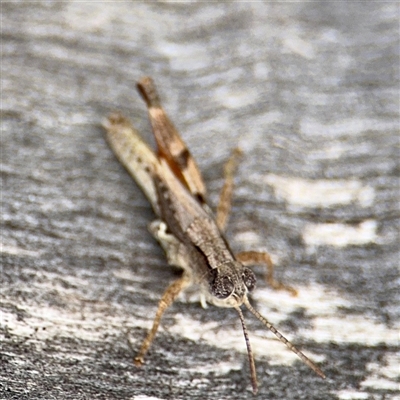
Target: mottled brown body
(191, 236)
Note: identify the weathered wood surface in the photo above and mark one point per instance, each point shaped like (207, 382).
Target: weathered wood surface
(310, 92)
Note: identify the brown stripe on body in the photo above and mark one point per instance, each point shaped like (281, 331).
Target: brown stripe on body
(182, 159)
(170, 145)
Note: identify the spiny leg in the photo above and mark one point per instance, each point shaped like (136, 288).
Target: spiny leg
(225, 197)
(167, 299)
(254, 257)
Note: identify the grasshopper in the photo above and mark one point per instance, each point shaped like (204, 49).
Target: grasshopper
(191, 236)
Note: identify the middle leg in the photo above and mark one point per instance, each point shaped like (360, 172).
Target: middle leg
(254, 257)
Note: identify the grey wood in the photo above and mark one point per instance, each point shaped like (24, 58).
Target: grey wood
(309, 91)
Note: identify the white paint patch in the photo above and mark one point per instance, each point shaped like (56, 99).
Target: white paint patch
(219, 368)
(320, 193)
(316, 299)
(336, 149)
(89, 17)
(310, 127)
(270, 118)
(19, 251)
(295, 44)
(331, 152)
(230, 98)
(385, 375)
(227, 337)
(45, 323)
(354, 329)
(62, 205)
(340, 235)
(377, 382)
(329, 324)
(249, 238)
(128, 275)
(352, 395)
(330, 35)
(261, 70)
(184, 56)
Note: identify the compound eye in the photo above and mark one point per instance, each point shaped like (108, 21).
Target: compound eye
(222, 286)
(249, 279)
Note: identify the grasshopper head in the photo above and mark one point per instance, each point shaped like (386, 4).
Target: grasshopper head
(230, 283)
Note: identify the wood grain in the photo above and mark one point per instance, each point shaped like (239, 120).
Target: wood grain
(309, 91)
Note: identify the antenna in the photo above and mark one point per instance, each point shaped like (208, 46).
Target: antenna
(253, 373)
(305, 359)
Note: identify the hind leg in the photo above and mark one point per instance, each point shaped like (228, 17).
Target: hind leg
(225, 197)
